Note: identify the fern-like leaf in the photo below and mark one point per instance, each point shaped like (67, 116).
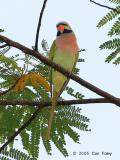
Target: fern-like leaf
(14, 154)
(111, 15)
(117, 61)
(112, 56)
(81, 60)
(57, 140)
(114, 1)
(72, 134)
(10, 62)
(111, 44)
(77, 95)
(46, 143)
(1, 30)
(115, 28)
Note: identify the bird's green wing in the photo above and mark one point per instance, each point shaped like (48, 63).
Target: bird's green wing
(51, 56)
(66, 82)
(53, 48)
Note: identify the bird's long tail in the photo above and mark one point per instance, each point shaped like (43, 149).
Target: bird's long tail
(54, 101)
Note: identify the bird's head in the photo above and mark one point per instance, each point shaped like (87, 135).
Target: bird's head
(63, 28)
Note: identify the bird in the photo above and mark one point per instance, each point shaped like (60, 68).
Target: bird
(65, 52)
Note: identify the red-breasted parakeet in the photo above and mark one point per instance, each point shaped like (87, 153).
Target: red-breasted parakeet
(64, 51)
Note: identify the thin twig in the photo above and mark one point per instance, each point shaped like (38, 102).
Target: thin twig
(35, 114)
(52, 64)
(48, 103)
(101, 5)
(39, 25)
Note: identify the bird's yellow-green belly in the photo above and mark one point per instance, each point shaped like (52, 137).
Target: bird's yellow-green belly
(66, 60)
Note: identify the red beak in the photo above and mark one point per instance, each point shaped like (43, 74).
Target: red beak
(61, 28)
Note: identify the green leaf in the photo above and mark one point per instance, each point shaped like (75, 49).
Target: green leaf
(46, 143)
(114, 1)
(81, 60)
(9, 61)
(7, 154)
(115, 28)
(110, 16)
(112, 56)
(59, 144)
(117, 61)
(1, 30)
(111, 44)
(72, 134)
(77, 95)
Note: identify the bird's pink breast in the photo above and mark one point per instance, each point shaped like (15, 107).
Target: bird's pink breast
(68, 43)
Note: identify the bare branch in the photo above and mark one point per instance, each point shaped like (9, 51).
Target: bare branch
(39, 25)
(48, 103)
(101, 5)
(68, 74)
(35, 114)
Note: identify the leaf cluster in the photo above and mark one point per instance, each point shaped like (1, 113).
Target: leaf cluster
(114, 31)
(14, 154)
(12, 70)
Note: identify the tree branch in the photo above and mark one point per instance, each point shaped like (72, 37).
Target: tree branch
(35, 114)
(47, 61)
(39, 25)
(48, 103)
(101, 5)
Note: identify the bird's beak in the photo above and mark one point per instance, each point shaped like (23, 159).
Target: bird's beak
(61, 28)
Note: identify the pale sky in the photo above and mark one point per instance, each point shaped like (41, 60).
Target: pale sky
(19, 19)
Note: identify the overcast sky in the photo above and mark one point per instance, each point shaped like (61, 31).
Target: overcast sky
(19, 19)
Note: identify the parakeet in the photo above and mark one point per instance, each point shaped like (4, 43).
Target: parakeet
(64, 51)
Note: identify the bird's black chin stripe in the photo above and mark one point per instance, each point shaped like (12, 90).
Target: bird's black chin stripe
(65, 31)
(58, 33)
